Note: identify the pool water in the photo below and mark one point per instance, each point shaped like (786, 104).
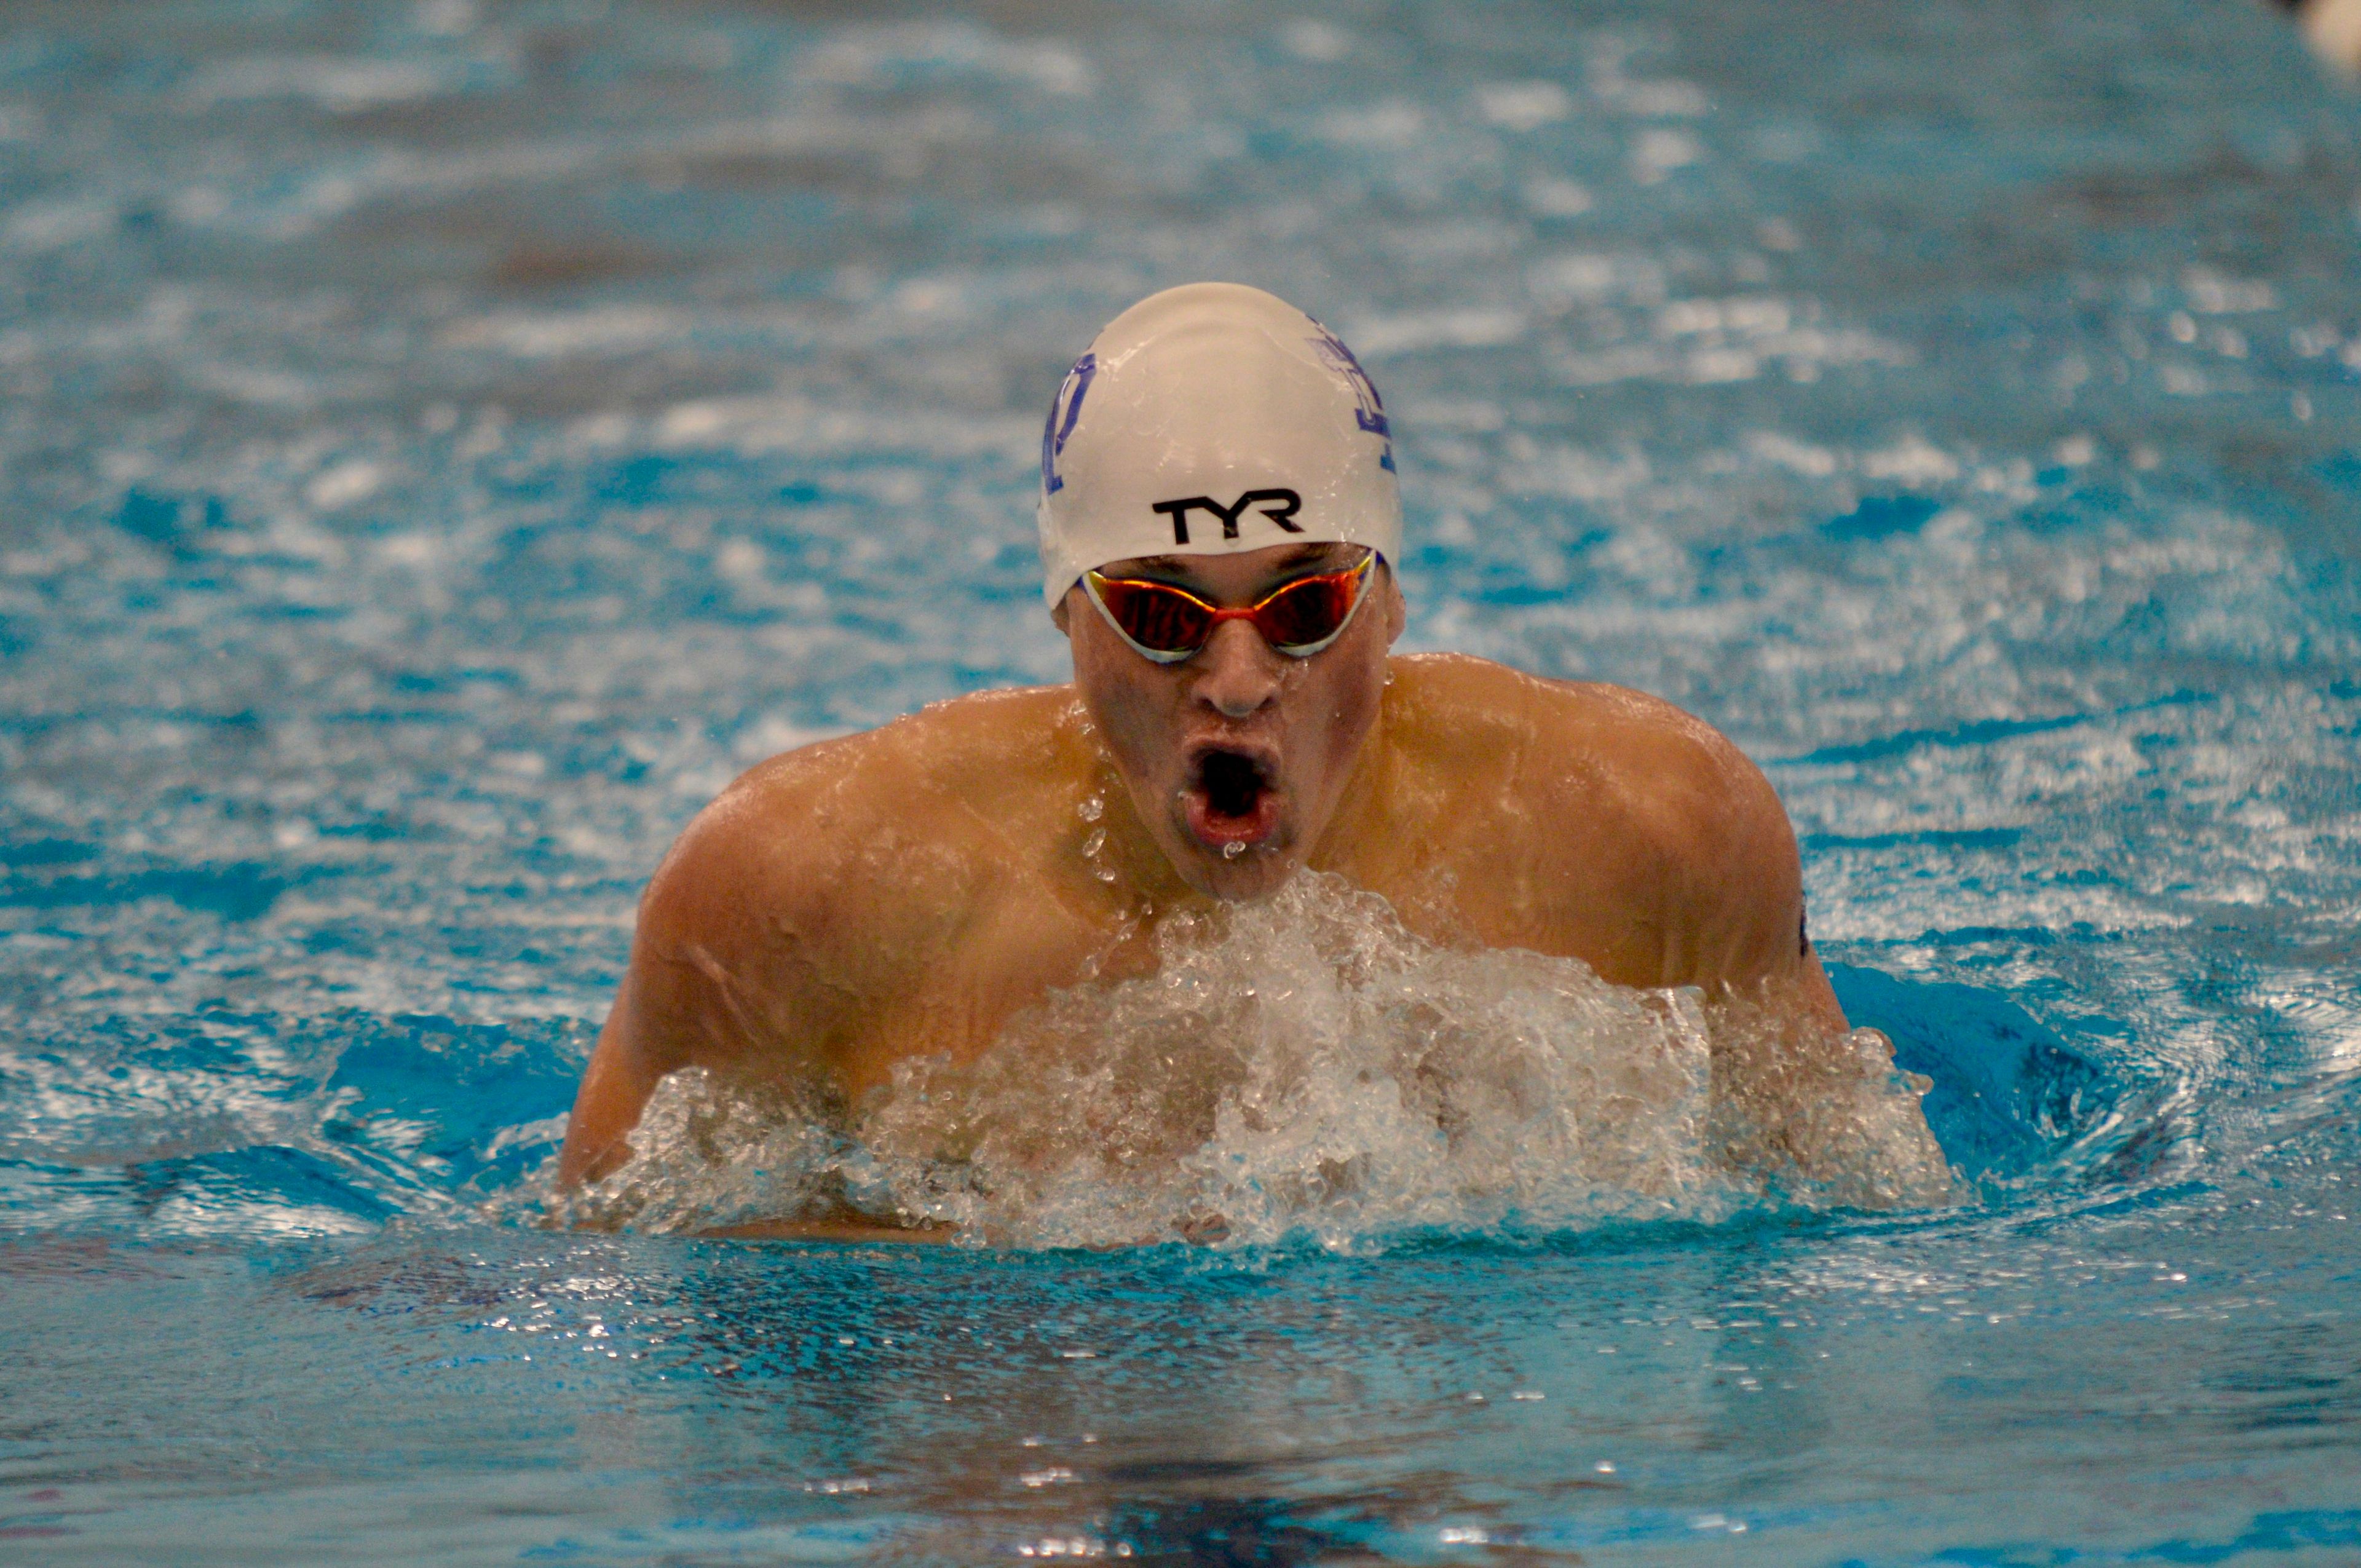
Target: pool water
(442, 443)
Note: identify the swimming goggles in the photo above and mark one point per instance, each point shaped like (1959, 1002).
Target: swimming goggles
(1169, 624)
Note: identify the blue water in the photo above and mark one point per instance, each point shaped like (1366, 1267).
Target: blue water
(440, 443)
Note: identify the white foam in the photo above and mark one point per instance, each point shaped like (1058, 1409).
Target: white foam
(1303, 1066)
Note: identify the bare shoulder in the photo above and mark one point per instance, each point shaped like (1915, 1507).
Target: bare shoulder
(1579, 742)
(823, 874)
(817, 883)
(816, 826)
(1623, 797)
(864, 777)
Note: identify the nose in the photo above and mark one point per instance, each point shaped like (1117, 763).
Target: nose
(1237, 672)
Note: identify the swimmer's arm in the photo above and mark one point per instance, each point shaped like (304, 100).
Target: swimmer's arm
(622, 1073)
(726, 972)
(1790, 1081)
(1687, 843)
(1676, 866)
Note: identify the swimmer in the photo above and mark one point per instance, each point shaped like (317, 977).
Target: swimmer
(1219, 518)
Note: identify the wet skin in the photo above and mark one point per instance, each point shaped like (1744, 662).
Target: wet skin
(904, 892)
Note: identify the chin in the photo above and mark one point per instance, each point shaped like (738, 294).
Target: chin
(1253, 874)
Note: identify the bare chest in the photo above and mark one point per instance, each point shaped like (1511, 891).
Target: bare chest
(1494, 879)
(1474, 883)
(1018, 944)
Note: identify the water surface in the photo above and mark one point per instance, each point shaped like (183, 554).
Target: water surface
(443, 443)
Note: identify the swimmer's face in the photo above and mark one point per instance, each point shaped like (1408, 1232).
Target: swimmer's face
(1238, 744)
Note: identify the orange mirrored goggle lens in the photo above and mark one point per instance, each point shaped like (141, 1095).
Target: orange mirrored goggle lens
(1168, 623)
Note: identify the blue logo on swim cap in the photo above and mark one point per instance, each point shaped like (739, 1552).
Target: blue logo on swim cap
(1370, 414)
(1068, 402)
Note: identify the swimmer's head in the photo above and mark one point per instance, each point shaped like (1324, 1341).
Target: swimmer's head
(1213, 420)
(1219, 441)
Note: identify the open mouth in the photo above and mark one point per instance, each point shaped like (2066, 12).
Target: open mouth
(1231, 799)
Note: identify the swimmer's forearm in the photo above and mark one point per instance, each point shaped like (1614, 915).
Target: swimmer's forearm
(615, 1090)
(1795, 1095)
(605, 1111)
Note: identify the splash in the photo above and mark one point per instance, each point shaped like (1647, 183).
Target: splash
(1301, 1067)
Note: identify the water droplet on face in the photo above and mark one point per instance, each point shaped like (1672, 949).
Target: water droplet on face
(1232, 850)
(1095, 843)
(1093, 807)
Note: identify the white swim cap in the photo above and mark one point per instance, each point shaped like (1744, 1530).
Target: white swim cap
(1207, 420)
